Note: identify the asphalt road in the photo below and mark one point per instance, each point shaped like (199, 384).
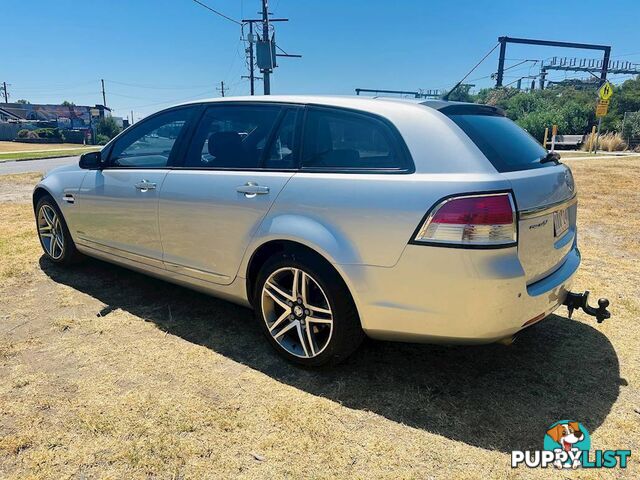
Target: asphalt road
(43, 165)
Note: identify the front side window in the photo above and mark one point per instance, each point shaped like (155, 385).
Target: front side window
(345, 140)
(232, 136)
(149, 143)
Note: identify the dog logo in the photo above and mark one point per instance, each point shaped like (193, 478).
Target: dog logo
(570, 437)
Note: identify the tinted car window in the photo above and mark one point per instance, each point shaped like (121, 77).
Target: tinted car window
(149, 143)
(281, 153)
(336, 139)
(507, 146)
(232, 136)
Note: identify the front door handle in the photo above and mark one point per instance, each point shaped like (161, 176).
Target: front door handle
(145, 186)
(251, 189)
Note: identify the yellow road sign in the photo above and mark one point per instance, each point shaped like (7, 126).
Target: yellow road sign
(605, 91)
(602, 108)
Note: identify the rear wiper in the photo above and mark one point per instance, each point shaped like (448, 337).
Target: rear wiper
(551, 157)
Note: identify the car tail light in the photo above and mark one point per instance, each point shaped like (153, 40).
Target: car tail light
(487, 220)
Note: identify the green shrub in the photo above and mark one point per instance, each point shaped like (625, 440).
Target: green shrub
(53, 133)
(102, 139)
(24, 133)
(73, 136)
(535, 122)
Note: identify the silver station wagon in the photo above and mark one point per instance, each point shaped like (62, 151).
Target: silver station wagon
(333, 218)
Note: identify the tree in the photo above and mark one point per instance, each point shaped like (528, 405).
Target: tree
(461, 94)
(23, 101)
(67, 103)
(569, 107)
(631, 127)
(108, 127)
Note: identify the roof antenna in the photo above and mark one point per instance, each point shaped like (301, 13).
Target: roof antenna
(445, 97)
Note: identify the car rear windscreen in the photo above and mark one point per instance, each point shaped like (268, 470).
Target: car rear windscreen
(507, 146)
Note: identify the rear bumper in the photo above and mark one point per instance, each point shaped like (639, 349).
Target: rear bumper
(454, 295)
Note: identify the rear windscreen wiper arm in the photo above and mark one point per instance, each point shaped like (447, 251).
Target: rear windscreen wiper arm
(551, 157)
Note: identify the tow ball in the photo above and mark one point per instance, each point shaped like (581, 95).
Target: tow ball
(581, 300)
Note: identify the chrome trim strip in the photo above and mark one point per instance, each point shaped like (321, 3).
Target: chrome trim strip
(196, 273)
(547, 209)
(109, 250)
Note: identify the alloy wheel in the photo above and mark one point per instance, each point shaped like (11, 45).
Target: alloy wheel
(50, 232)
(297, 312)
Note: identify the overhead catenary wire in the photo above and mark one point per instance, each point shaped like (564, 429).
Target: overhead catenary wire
(446, 96)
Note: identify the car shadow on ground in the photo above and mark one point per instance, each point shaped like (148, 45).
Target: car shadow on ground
(494, 397)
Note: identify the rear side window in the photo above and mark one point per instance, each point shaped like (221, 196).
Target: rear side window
(232, 136)
(343, 140)
(282, 152)
(507, 146)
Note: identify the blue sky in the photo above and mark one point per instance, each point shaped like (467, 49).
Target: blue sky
(154, 53)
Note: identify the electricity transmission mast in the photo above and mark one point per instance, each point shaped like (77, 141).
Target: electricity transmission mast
(503, 41)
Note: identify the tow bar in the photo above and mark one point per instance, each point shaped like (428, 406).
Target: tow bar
(581, 300)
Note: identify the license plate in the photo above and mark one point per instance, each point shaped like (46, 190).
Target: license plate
(560, 222)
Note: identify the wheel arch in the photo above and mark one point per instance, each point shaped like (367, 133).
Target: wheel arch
(271, 247)
(40, 192)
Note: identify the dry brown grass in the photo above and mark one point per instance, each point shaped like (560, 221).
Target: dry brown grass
(609, 142)
(30, 147)
(105, 373)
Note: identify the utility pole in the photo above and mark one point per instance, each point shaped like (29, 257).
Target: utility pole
(221, 89)
(131, 117)
(266, 73)
(252, 52)
(266, 46)
(252, 78)
(5, 92)
(104, 97)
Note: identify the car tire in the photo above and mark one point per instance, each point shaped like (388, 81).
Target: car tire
(323, 328)
(53, 233)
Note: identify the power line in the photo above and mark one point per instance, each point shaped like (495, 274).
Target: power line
(138, 85)
(218, 13)
(177, 100)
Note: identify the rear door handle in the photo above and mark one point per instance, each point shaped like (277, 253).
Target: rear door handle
(251, 189)
(145, 185)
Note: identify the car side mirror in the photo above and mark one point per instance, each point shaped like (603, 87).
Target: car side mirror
(91, 160)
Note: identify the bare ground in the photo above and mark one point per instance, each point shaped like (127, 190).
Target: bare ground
(105, 373)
